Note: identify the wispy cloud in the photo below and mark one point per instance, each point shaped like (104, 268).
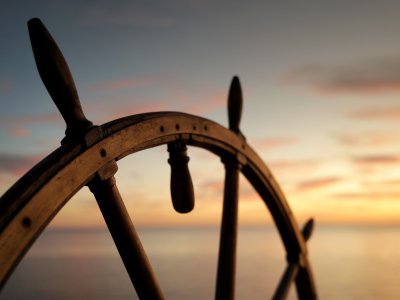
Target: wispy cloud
(216, 189)
(376, 160)
(211, 102)
(121, 112)
(368, 196)
(369, 139)
(318, 183)
(284, 167)
(29, 120)
(382, 183)
(373, 75)
(214, 186)
(19, 132)
(377, 113)
(272, 143)
(16, 164)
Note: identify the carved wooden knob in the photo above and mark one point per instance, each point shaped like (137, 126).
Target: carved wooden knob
(182, 192)
(235, 102)
(308, 229)
(57, 78)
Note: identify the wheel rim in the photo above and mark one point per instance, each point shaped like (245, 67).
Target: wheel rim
(37, 205)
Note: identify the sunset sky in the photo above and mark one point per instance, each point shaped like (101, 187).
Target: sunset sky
(321, 85)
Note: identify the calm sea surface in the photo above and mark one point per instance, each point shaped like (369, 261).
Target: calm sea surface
(348, 263)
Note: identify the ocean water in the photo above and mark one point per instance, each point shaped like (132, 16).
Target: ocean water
(348, 263)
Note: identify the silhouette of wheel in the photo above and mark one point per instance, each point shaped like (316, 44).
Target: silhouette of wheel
(88, 156)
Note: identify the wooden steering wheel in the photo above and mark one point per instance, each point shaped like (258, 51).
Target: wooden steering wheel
(88, 156)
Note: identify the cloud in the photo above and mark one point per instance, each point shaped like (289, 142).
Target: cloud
(216, 186)
(377, 113)
(121, 112)
(268, 144)
(368, 196)
(248, 194)
(384, 183)
(216, 189)
(376, 160)
(211, 102)
(313, 184)
(127, 15)
(373, 75)
(19, 132)
(29, 120)
(16, 164)
(369, 139)
(290, 167)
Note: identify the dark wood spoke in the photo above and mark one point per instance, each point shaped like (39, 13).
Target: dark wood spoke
(225, 288)
(305, 283)
(283, 288)
(293, 269)
(126, 239)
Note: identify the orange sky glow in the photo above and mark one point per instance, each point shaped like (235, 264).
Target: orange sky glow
(321, 101)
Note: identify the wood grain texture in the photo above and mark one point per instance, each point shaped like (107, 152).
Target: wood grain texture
(57, 78)
(121, 137)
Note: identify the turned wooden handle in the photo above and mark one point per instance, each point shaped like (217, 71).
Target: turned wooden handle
(182, 192)
(57, 78)
(235, 103)
(308, 229)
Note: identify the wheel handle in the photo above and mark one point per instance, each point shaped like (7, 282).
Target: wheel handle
(57, 78)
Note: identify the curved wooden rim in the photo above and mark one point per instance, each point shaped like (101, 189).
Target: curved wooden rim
(28, 207)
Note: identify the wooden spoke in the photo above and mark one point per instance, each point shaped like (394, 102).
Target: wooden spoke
(287, 279)
(293, 267)
(304, 283)
(126, 239)
(225, 288)
(57, 78)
